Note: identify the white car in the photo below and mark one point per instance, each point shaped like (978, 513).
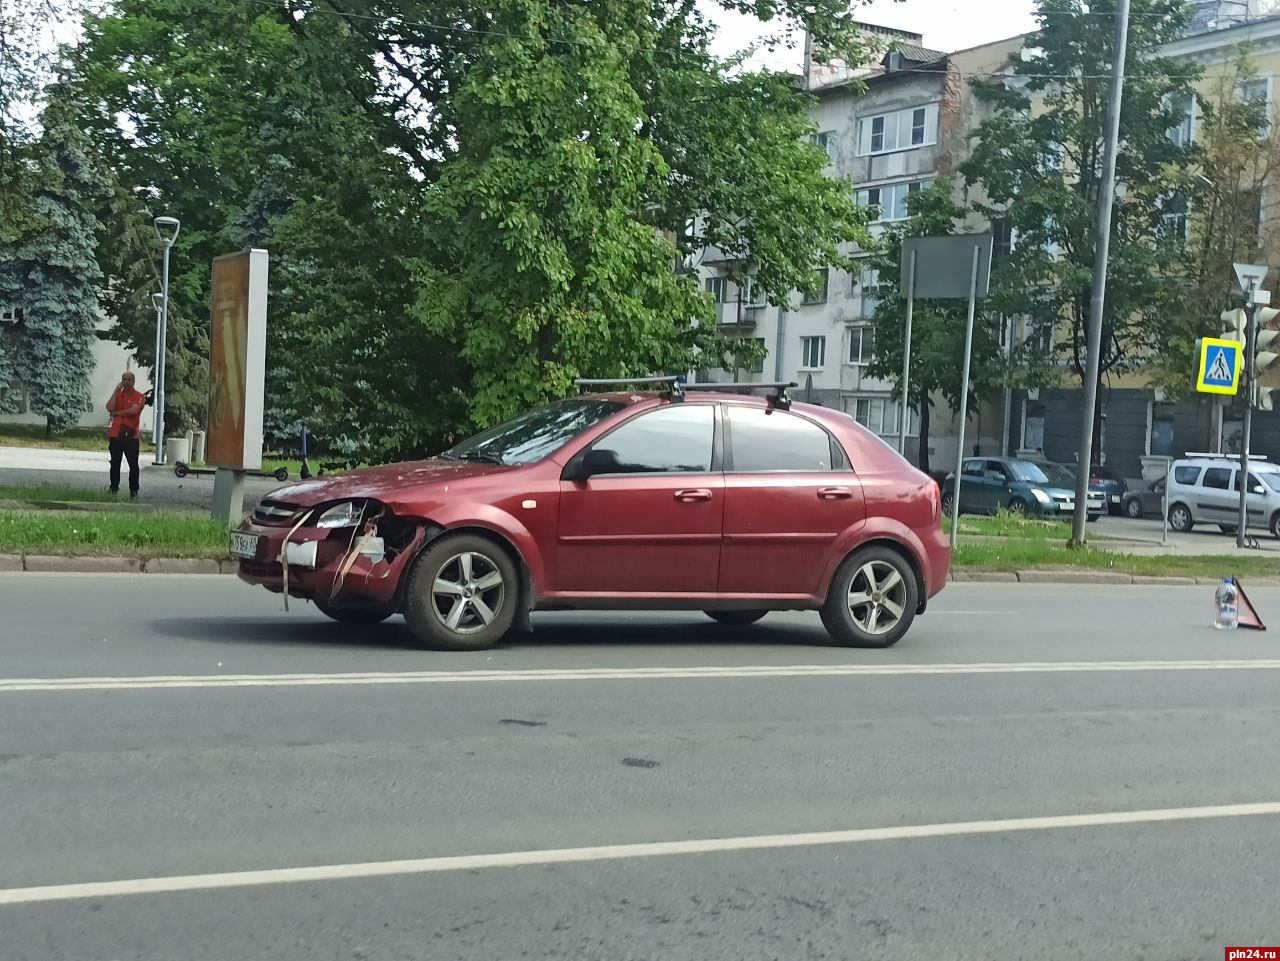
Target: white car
(1206, 490)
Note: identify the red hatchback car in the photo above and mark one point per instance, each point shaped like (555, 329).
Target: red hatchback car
(654, 500)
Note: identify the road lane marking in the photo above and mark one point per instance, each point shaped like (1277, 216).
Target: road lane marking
(54, 684)
(614, 852)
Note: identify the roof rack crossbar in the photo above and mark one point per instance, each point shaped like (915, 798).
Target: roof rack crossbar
(779, 398)
(671, 383)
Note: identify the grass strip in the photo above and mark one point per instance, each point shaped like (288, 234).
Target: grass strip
(109, 534)
(63, 493)
(1015, 555)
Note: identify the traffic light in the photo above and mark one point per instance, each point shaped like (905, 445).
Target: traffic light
(1266, 353)
(1266, 399)
(1234, 324)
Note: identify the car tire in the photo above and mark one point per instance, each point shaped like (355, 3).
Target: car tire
(1134, 509)
(352, 615)
(1180, 518)
(1275, 525)
(735, 618)
(948, 503)
(1090, 518)
(463, 594)
(1019, 506)
(1227, 528)
(852, 613)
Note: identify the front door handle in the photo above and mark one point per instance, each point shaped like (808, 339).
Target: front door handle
(834, 493)
(690, 496)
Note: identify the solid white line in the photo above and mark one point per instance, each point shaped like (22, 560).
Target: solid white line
(54, 684)
(472, 862)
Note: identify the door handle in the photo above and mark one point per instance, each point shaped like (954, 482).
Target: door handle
(834, 493)
(696, 494)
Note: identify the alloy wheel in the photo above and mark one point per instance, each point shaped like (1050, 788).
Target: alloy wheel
(877, 597)
(467, 593)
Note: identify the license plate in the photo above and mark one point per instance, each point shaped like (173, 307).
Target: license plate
(1115, 498)
(244, 545)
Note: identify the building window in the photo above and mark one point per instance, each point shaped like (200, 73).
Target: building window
(821, 279)
(1160, 433)
(813, 353)
(751, 292)
(826, 139)
(718, 288)
(900, 130)
(1184, 133)
(1259, 91)
(862, 345)
(890, 201)
(870, 281)
(752, 365)
(1002, 238)
(882, 415)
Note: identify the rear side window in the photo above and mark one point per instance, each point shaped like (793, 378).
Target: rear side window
(777, 441)
(1217, 478)
(1186, 475)
(675, 439)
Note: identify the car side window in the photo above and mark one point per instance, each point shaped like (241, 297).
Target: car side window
(974, 468)
(998, 469)
(761, 440)
(1186, 475)
(675, 439)
(1217, 478)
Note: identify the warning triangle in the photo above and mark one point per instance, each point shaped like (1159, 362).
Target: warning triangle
(1248, 614)
(1220, 370)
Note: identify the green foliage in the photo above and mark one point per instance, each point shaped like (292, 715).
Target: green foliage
(937, 326)
(1040, 168)
(132, 534)
(47, 269)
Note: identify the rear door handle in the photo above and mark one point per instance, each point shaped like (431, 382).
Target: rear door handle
(834, 493)
(696, 494)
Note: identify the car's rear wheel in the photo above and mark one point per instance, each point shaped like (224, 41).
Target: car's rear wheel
(873, 599)
(948, 503)
(463, 594)
(1180, 518)
(352, 615)
(1134, 509)
(1275, 525)
(735, 618)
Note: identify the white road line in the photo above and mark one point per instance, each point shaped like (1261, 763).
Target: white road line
(51, 684)
(615, 852)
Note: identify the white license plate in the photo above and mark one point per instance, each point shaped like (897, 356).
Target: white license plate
(244, 545)
(1115, 498)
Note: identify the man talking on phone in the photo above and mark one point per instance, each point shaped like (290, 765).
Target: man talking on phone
(125, 408)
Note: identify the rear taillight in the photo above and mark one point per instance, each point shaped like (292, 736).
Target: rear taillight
(937, 501)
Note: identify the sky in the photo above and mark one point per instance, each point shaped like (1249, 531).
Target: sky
(947, 25)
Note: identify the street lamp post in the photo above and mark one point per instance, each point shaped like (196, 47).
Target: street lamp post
(167, 229)
(157, 301)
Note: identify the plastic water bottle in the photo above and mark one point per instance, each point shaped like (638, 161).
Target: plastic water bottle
(1227, 606)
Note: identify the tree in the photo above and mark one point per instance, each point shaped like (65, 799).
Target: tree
(937, 326)
(48, 270)
(1038, 160)
(1219, 224)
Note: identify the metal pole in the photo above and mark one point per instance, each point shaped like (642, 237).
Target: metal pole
(1106, 199)
(155, 387)
(964, 395)
(1168, 467)
(160, 362)
(1250, 343)
(906, 355)
(1006, 420)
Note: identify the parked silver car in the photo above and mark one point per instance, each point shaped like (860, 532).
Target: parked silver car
(1206, 490)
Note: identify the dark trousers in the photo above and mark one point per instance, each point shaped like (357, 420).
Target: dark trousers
(127, 449)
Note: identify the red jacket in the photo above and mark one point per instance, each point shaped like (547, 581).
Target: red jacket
(123, 401)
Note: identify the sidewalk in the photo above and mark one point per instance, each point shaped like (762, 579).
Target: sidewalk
(46, 458)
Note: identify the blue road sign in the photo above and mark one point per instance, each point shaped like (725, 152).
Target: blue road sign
(1219, 369)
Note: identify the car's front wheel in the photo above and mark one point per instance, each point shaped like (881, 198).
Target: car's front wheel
(462, 595)
(1180, 518)
(948, 503)
(735, 618)
(873, 599)
(1134, 509)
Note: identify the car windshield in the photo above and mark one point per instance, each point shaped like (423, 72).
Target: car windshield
(1030, 473)
(535, 434)
(1272, 479)
(1059, 476)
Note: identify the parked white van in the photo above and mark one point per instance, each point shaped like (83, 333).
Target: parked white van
(1206, 490)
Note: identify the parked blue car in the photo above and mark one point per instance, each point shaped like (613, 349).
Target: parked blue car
(990, 484)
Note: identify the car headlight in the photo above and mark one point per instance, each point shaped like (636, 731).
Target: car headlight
(1041, 496)
(346, 514)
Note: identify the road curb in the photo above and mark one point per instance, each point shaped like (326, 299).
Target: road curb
(10, 562)
(54, 564)
(180, 565)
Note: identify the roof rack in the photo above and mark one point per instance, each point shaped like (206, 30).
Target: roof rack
(671, 383)
(1215, 456)
(778, 398)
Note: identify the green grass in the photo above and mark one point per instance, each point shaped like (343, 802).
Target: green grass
(1011, 525)
(76, 438)
(130, 535)
(1015, 555)
(56, 492)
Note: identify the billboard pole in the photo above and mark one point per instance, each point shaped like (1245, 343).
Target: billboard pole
(906, 355)
(964, 394)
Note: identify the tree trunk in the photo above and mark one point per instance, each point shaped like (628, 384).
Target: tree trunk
(922, 457)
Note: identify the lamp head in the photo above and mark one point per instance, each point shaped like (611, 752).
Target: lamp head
(167, 228)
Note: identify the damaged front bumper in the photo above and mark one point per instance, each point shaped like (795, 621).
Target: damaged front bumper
(354, 566)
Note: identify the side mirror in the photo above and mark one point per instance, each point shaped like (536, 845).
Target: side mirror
(589, 463)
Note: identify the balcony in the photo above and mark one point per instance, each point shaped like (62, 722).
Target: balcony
(727, 314)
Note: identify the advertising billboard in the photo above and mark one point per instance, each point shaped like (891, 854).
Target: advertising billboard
(237, 360)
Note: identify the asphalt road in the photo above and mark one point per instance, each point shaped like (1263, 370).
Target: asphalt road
(586, 792)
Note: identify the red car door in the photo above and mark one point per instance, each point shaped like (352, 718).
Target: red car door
(650, 522)
(789, 493)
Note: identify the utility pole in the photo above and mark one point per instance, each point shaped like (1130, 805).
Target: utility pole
(1106, 200)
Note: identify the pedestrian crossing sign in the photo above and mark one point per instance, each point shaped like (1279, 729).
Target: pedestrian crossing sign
(1219, 369)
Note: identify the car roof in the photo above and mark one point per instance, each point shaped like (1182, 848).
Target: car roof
(1261, 465)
